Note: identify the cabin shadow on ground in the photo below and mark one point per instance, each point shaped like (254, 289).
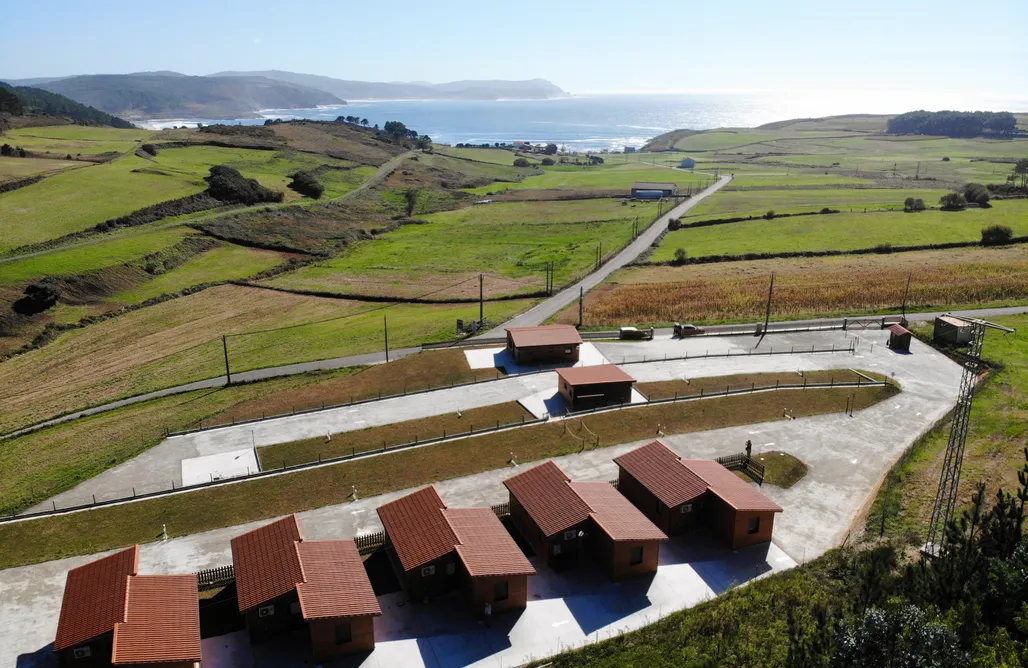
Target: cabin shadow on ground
(43, 657)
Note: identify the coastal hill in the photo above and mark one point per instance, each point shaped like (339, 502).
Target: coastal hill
(532, 89)
(44, 107)
(173, 95)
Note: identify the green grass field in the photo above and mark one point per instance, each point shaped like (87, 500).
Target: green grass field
(80, 198)
(510, 241)
(179, 341)
(613, 175)
(499, 156)
(76, 139)
(15, 169)
(89, 257)
(733, 203)
(226, 263)
(844, 231)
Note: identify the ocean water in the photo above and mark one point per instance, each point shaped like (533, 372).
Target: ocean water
(595, 122)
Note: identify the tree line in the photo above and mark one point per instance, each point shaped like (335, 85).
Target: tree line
(954, 123)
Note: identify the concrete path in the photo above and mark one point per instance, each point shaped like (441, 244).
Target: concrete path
(847, 457)
(544, 310)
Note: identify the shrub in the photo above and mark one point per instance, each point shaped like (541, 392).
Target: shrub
(674, 224)
(996, 235)
(976, 193)
(919, 204)
(828, 209)
(6, 150)
(305, 184)
(769, 215)
(883, 248)
(946, 159)
(548, 162)
(228, 185)
(953, 202)
(680, 256)
(913, 204)
(149, 148)
(38, 298)
(908, 204)
(521, 162)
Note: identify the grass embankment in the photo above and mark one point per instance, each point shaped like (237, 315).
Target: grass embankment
(40, 465)
(109, 527)
(994, 453)
(808, 287)
(843, 231)
(15, 169)
(614, 175)
(399, 433)
(781, 469)
(510, 242)
(179, 341)
(712, 385)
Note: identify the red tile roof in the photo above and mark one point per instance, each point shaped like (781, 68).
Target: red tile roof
(546, 335)
(615, 514)
(544, 493)
(266, 562)
(162, 621)
(589, 375)
(485, 546)
(335, 582)
(328, 575)
(735, 492)
(659, 470)
(94, 598)
(417, 530)
(899, 330)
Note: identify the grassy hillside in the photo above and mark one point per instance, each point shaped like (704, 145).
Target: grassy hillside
(39, 101)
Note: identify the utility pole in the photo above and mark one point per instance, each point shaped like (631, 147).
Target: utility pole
(385, 328)
(767, 313)
(224, 346)
(581, 299)
(905, 293)
(481, 299)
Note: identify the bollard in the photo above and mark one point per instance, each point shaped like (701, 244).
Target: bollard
(94, 499)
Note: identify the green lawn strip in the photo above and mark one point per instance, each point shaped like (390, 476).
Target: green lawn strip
(107, 253)
(732, 204)
(781, 469)
(712, 385)
(994, 452)
(746, 626)
(15, 169)
(76, 139)
(114, 526)
(843, 231)
(399, 433)
(614, 175)
(225, 263)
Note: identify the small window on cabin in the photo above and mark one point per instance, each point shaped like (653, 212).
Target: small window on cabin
(686, 508)
(556, 549)
(636, 556)
(83, 652)
(754, 525)
(451, 568)
(570, 534)
(344, 634)
(567, 351)
(427, 571)
(294, 608)
(501, 590)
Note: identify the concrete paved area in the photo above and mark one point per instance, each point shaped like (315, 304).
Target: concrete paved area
(564, 610)
(491, 358)
(233, 464)
(551, 403)
(847, 456)
(161, 467)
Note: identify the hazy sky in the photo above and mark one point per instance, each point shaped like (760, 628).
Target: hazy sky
(582, 46)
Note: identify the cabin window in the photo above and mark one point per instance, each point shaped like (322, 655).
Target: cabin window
(294, 608)
(83, 652)
(567, 351)
(569, 534)
(266, 611)
(451, 568)
(635, 557)
(686, 508)
(754, 525)
(556, 549)
(427, 571)
(501, 590)
(344, 634)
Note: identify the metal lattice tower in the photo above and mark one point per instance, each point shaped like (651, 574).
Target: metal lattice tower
(949, 481)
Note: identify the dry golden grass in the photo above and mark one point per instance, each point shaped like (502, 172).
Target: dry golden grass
(823, 286)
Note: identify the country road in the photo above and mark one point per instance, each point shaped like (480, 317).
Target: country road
(539, 313)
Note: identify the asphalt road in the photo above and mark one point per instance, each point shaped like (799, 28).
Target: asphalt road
(541, 312)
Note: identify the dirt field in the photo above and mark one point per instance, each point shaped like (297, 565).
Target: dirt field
(822, 286)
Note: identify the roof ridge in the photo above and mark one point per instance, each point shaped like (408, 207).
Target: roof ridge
(299, 561)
